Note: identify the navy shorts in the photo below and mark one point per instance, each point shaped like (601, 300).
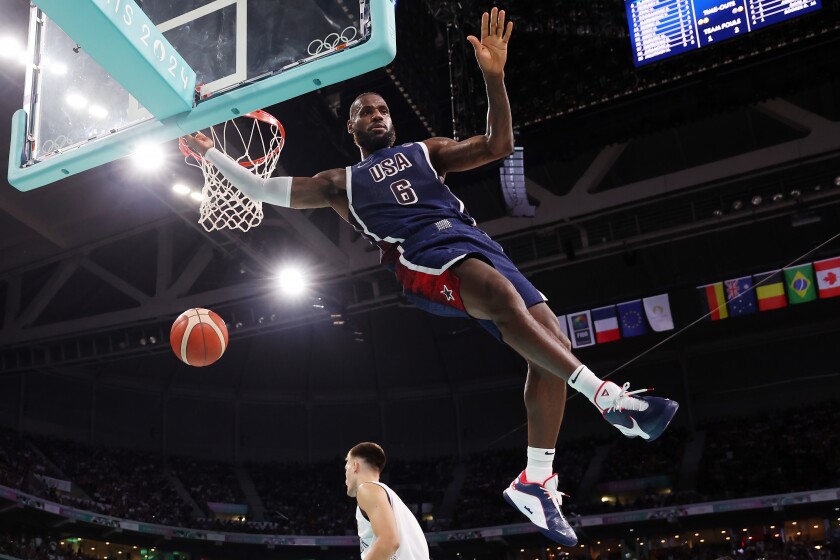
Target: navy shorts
(423, 266)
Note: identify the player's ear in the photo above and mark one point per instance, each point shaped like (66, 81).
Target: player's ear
(349, 126)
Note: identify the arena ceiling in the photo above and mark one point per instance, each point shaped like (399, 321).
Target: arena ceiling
(626, 167)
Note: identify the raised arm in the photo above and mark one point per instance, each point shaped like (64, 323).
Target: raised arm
(319, 191)
(491, 53)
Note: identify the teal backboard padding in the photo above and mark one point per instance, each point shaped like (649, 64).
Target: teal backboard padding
(379, 49)
(128, 46)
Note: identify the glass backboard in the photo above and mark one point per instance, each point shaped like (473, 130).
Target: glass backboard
(246, 54)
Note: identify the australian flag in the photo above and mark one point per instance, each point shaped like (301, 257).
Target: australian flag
(740, 297)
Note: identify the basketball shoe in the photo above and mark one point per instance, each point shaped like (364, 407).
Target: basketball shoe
(644, 417)
(540, 503)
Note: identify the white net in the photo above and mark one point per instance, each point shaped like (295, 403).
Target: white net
(254, 140)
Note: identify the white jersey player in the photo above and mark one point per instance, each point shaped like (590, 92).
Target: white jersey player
(387, 528)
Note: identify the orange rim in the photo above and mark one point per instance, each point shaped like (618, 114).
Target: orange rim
(259, 115)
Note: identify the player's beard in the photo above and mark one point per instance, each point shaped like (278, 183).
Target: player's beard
(373, 142)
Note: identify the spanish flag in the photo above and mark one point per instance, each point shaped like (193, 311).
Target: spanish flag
(770, 288)
(714, 302)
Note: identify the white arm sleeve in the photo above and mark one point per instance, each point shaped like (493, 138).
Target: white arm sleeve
(274, 190)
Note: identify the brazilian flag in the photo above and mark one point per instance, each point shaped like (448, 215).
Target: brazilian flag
(800, 283)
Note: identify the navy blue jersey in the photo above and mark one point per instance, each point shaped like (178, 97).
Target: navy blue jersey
(395, 193)
(398, 201)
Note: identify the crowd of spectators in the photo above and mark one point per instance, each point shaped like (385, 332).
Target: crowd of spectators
(208, 481)
(118, 482)
(783, 451)
(305, 499)
(19, 463)
(798, 449)
(31, 547)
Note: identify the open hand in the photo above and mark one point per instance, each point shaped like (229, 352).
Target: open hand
(198, 142)
(491, 50)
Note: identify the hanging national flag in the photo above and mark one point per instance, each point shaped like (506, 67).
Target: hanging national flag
(658, 311)
(606, 324)
(580, 329)
(714, 303)
(770, 290)
(563, 326)
(828, 277)
(631, 318)
(800, 283)
(740, 298)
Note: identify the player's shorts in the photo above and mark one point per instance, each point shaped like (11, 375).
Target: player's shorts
(423, 266)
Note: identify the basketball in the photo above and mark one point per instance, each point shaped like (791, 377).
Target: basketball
(198, 337)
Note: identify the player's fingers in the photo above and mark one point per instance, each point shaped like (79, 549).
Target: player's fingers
(501, 26)
(508, 31)
(494, 20)
(474, 42)
(485, 20)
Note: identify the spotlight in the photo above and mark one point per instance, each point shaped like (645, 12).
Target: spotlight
(795, 193)
(756, 200)
(292, 281)
(737, 205)
(142, 342)
(777, 197)
(181, 189)
(338, 322)
(148, 157)
(152, 340)
(837, 181)
(238, 325)
(197, 196)
(717, 213)
(261, 320)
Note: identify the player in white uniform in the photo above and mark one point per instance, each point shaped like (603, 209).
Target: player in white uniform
(387, 528)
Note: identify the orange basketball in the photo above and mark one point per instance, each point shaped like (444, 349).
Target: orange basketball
(198, 337)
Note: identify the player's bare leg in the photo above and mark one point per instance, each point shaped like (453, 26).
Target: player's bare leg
(487, 294)
(535, 334)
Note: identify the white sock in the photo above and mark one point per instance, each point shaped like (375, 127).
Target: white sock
(540, 464)
(591, 386)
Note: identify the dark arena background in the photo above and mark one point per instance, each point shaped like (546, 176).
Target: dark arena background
(672, 177)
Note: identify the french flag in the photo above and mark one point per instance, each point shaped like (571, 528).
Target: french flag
(606, 324)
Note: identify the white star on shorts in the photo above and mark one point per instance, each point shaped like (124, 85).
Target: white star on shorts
(447, 293)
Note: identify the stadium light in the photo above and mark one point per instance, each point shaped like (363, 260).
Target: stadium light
(291, 281)
(148, 157)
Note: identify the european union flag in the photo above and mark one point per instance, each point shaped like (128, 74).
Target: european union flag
(631, 317)
(740, 297)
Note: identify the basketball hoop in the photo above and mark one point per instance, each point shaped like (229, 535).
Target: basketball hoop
(254, 140)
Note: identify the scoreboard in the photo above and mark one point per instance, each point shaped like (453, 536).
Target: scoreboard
(663, 28)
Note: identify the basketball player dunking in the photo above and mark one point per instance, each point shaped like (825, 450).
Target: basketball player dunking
(387, 528)
(396, 197)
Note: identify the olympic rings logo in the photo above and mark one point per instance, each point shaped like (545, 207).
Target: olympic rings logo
(332, 42)
(49, 146)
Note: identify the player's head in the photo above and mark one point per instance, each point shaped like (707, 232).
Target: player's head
(363, 463)
(370, 123)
